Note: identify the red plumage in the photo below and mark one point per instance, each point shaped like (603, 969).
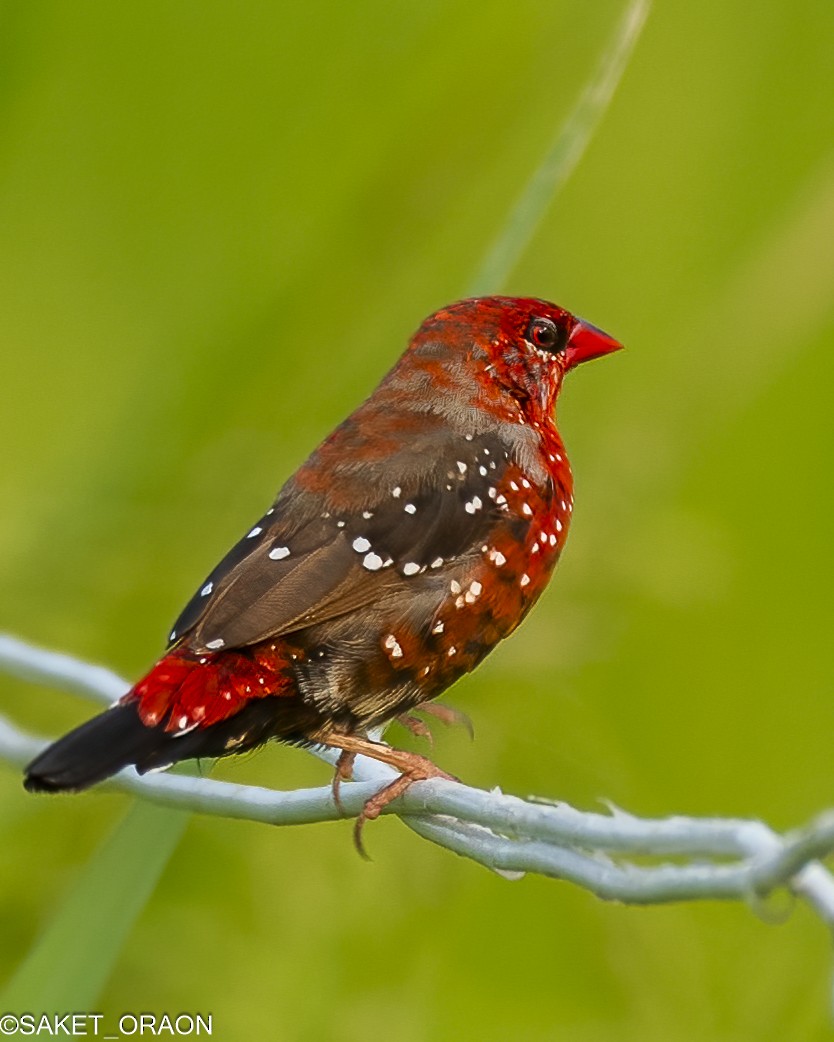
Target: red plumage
(413, 540)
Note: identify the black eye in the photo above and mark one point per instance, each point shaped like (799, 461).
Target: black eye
(546, 335)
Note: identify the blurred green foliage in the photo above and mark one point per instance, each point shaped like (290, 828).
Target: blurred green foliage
(220, 222)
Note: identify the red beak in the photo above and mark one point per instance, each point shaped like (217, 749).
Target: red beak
(586, 342)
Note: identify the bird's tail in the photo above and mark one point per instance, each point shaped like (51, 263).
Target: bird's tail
(186, 707)
(94, 751)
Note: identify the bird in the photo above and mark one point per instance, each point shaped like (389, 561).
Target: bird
(414, 539)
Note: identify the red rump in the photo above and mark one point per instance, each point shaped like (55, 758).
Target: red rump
(185, 690)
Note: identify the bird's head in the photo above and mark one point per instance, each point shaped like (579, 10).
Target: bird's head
(519, 345)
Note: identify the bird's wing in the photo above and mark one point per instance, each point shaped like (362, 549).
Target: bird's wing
(304, 562)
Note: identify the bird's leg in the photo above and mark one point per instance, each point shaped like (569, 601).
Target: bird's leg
(412, 768)
(446, 715)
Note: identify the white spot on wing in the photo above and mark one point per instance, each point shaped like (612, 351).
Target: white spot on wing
(393, 645)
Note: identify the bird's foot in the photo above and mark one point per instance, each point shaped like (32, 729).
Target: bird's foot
(343, 772)
(417, 727)
(446, 715)
(412, 768)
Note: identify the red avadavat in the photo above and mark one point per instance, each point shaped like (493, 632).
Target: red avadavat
(415, 538)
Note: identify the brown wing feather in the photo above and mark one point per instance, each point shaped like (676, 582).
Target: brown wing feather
(303, 563)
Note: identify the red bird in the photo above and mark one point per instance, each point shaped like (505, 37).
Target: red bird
(415, 538)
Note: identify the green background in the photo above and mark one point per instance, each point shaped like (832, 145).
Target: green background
(220, 222)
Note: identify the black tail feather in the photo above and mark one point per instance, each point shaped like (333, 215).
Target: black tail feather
(94, 751)
(117, 738)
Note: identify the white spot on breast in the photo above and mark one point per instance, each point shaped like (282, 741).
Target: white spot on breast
(367, 514)
(437, 562)
(372, 562)
(215, 645)
(553, 539)
(497, 558)
(462, 466)
(279, 553)
(483, 471)
(543, 537)
(361, 544)
(393, 645)
(468, 437)
(527, 510)
(438, 627)
(206, 590)
(473, 593)
(452, 651)
(486, 452)
(559, 526)
(455, 586)
(255, 531)
(524, 580)
(396, 492)
(410, 508)
(340, 524)
(501, 500)
(513, 486)
(474, 504)
(460, 601)
(525, 483)
(411, 568)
